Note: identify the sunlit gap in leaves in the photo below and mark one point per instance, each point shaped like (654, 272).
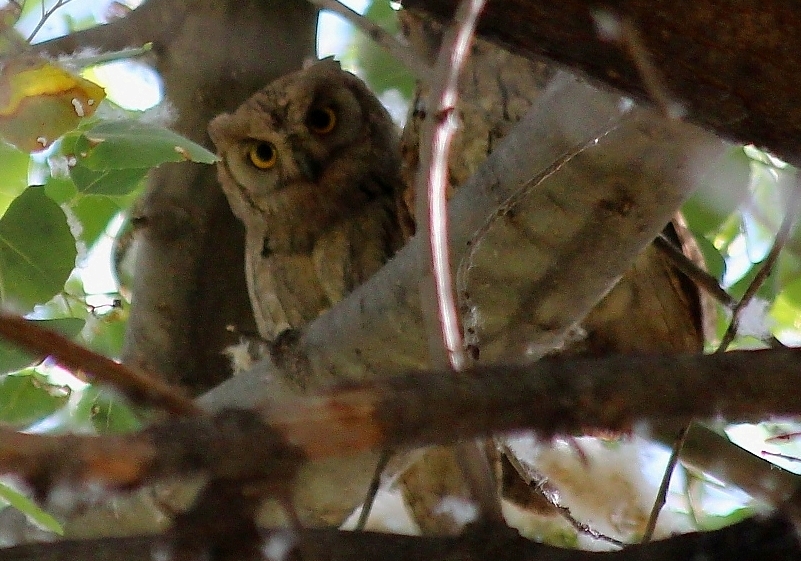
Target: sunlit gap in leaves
(359, 54)
(736, 226)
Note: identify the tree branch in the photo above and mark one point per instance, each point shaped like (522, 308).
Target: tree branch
(135, 385)
(755, 539)
(732, 67)
(574, 396)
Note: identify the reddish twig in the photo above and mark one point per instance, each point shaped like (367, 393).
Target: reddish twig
(137, 386)
(431, 214)
(432, 183)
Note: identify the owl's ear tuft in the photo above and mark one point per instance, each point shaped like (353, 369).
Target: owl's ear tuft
(220, 129)
(328, 63)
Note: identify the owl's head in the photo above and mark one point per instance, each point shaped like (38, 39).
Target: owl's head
(320, 125)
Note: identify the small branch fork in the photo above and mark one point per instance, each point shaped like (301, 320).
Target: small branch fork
(46, 14)
(538, 484)
(703, 279)
(780, 241)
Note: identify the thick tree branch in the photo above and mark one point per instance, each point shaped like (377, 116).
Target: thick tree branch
(733, 67)
(755, 539)
(573, 396)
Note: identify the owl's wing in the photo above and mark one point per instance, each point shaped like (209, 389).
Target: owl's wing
(356, 248)
(283, 288)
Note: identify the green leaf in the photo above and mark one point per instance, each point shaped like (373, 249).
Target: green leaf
(715, 264)
(792, 293)
(112, 182)
(107, 335)
(30, 509)
(785, 310)
(12, 358)
(133, 144)
(27, 397)
(60, 189)
(37, 250)
(724, 189)
(107, 412)
(94, 213)
(380, 69)
(13, 174)
(711, 522)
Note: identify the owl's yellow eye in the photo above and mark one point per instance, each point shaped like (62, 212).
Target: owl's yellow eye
(321, 120)
(263, 155)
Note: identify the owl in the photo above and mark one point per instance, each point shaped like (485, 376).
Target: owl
(311, 166)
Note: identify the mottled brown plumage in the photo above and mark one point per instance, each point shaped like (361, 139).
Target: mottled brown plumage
(311, 166)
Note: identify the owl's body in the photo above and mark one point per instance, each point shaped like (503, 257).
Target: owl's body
(311, 166)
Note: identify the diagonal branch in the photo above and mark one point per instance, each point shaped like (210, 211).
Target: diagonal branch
(137, 386)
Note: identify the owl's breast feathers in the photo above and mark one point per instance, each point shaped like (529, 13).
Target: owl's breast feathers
(289, 288)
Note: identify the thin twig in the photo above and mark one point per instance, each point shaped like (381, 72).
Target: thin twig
(135, 385)
(538, 484)
(45, 16)
(781, 456)
(372, 491)
(651, 77)
(402, 52)
(767, 265)
(661, 495)
(702, 279)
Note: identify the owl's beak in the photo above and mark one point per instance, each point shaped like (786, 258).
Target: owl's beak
(307, 166)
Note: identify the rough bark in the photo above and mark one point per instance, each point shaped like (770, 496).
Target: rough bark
(574, 395)
(732, 66)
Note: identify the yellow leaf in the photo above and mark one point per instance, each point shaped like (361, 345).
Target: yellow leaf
(40, 101)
